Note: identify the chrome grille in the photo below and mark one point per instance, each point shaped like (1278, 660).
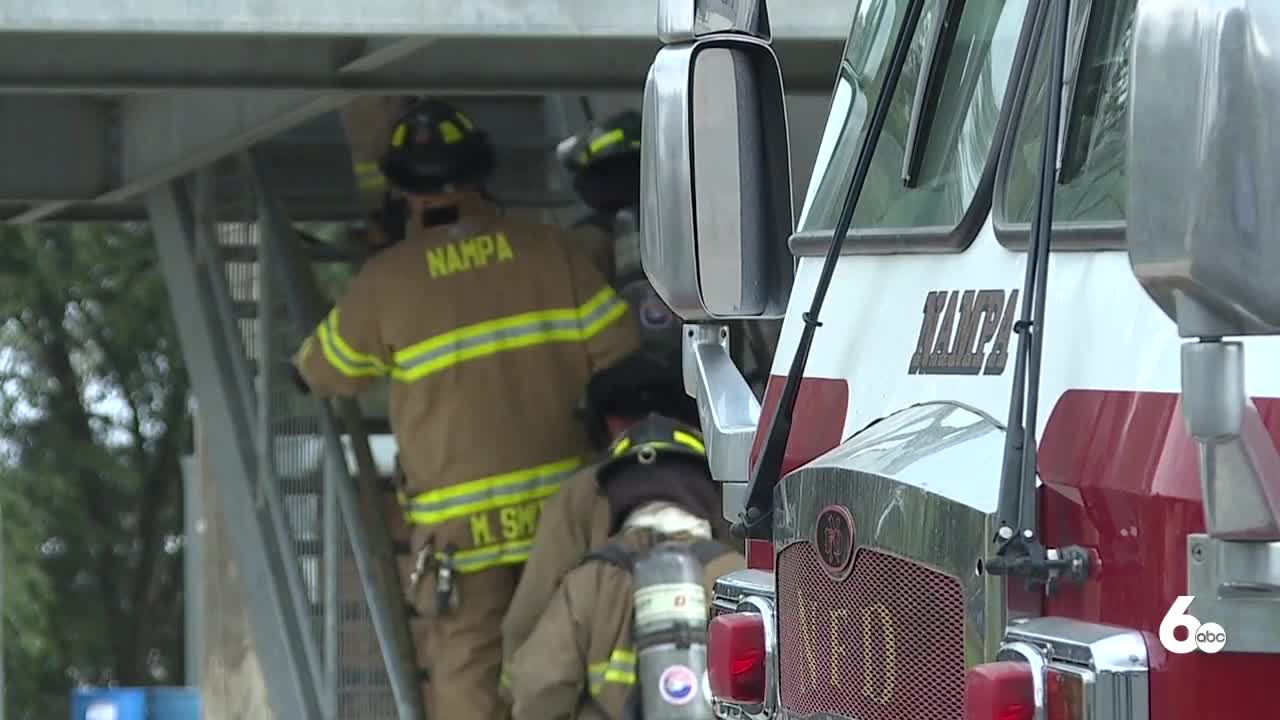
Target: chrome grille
(886, 643)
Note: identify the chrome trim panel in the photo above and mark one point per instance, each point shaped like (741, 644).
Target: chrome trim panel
(1112, 661)
(732, 588)
(1236, 585)
(1022, 652)
(945, 449)
(937, 463)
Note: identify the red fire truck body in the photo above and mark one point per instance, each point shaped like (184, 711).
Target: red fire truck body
(872, 592)
(1129, 486)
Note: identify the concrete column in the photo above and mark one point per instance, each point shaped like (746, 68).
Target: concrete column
(231, 680)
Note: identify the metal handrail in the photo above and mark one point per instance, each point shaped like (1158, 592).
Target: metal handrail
(284, 256)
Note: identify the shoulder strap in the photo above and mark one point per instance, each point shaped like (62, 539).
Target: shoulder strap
(613, 554)
(617, 554)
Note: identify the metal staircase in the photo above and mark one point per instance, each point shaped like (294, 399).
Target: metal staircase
(301, 489)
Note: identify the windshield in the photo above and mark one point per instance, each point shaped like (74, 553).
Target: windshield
(960, 124)
(1091, 190)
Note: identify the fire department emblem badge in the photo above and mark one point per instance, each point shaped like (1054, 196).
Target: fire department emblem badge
(678, 685)
(834, 539)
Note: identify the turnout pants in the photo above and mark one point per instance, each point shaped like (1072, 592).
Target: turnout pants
(464, 646)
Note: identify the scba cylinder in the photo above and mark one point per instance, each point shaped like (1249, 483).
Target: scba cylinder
(671, 635)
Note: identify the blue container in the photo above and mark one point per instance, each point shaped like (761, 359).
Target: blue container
(109, 704)
(168, 703)
(173, 703)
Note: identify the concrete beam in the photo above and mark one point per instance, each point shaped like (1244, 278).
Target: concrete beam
(311, 161)
(62, 143)
(532, 65)
(80, 181)
(164, 137)
(347, 18)
(55, 148)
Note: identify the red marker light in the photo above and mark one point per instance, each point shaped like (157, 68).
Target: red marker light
(999, 691)
(1064, 695)
(736, 657)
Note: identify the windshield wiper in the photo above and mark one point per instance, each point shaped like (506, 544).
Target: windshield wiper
(768, 466)
(929, 90)
(1020, 549)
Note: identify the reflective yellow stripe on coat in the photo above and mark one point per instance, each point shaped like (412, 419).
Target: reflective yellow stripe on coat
(484, 495)
(539, 327)
(344, 358)
(490, 556)
(489, 493)
(619, 669)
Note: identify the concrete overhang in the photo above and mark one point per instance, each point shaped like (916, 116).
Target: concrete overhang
(100, 102)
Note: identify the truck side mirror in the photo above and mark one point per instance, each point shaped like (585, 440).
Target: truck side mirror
(716, 180)
(1204, 236)
(1204, 165)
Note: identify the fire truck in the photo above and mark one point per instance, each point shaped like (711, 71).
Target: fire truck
(1011, 462)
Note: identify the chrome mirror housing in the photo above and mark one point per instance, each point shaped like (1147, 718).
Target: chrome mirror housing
(1204, 241)
(680, 20)
(1204, 164)
(716, 180)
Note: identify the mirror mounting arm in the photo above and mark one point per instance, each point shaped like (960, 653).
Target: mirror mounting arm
(727, 406)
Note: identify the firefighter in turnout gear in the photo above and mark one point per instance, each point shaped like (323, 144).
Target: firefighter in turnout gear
(604, 162)
(487, 329)
(589, 651)
(578, 519)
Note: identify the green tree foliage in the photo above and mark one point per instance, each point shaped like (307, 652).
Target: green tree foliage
(93, 421)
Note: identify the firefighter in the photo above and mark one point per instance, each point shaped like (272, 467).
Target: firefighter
(577, 519)
(604, 162)
(487, 328)
(582, 659)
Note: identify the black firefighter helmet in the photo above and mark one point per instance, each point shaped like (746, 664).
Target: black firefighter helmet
(436, 148)
(654, 436)
(604, 161)
(658, 459)
(647, 381)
